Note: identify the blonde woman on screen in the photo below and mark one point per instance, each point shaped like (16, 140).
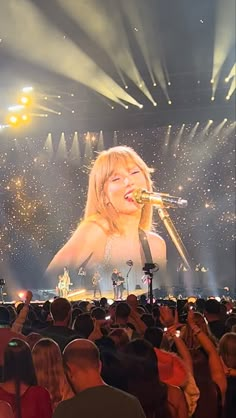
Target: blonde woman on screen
(110, 231)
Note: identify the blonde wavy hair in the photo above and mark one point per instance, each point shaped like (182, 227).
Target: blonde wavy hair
(227, 349)
(49, 370)
(103, 167)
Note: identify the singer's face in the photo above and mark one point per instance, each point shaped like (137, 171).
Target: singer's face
(120, 186)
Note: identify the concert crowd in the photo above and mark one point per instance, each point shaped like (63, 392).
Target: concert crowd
(127, 359)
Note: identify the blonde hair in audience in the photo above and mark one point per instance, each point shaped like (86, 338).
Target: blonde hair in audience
(104, 166)
(227, 349)
(49, 370)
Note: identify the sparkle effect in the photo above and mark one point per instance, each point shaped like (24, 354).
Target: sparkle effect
(43, 194)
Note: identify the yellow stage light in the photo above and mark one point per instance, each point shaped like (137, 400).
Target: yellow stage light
(25, 118)
(227, 79)
(13, 119)
(169, 102)
(25, 100)
(140, 106)
(155, 104)
(227, 97)
(212, 98)
(212, 81)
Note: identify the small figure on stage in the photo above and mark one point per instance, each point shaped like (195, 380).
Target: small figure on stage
(96, 284)
(60, 286)
(64, 283)
(114, 279)
(120, 285)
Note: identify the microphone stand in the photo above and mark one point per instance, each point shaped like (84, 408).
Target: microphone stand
(165, 217)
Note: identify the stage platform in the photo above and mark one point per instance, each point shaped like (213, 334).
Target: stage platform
(83, 294)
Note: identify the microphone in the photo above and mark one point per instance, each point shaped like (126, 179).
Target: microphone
(163, 200)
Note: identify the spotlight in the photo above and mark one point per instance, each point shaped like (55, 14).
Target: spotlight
(169, 83)
(126, 87)
(13, 120)
(227, 97)
(25, 100)
(212, 98)
(169, 102)
(212, 81)
(169, 126)
(112, 107)
(127, 107)
(25, 118)
(72, 111)
(227, 79)
(58, 97)
(225, 120)
(154, 84)
(21, 295)
(59, 113)
(140, 106)
(154, 104)
(210, 121)
(72, 94)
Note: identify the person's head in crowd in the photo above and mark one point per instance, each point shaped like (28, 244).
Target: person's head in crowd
(187, 333)
(212, 310)
(5, 318)
(113, 372)
(75, 313)
(83, 305)
(200, 305)
(61, 312)
(49, 370)
(33, 338)
(154, 335)
(142, 378)
(140, 310)
(227, 349)
(120, 338)
(82, 365)
(103, 303)
(223, 312)
(123, 311)
(143, 300)
(148, 320)
(18, 363)
(230, 322)
(132, 301)
(12, 312)
(47, 306)
(83, 325)
(112, 311)
(98, 313)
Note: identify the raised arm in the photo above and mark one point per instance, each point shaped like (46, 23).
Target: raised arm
(216, 368)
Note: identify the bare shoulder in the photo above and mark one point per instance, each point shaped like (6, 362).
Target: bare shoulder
(82, 245)
(157, 245)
